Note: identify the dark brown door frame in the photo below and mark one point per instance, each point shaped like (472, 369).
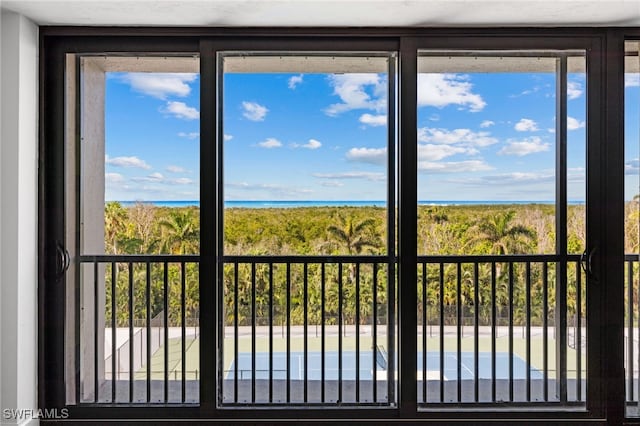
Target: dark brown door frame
(605, 201)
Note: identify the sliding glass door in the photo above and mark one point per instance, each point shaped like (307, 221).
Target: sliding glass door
(273, 227)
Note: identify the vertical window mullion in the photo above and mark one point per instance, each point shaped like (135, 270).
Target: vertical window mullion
(407, 222)
(209, 269)
(561, 229)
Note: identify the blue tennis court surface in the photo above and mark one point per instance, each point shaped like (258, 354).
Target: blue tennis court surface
(314, 362)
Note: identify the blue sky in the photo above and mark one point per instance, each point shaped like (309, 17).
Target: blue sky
(152, 137)
(483, 136)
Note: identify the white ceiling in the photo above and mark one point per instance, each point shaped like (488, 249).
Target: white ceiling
(332, 13)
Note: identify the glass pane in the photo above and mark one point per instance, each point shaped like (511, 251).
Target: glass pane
(486, 154)
(632, 221)
(489, 137)
(306, 173)
(138, 194)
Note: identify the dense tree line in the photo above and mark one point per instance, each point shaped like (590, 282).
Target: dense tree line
(298, 290)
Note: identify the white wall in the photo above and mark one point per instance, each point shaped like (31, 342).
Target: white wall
(18, 214)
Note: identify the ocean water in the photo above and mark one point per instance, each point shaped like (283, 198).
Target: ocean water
(264, 204)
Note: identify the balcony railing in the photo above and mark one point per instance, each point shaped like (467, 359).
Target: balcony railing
(321, 331)
(632, 334)
(500, 335)
(308, 330)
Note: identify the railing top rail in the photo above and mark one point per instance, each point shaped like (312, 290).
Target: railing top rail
(139, 258)
(505, 258)
(456, 258)
(160, 258)
(309, 259)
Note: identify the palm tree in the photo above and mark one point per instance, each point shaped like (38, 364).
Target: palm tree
(355, 236)
(180, 233)
(502, 236)
(115, 222)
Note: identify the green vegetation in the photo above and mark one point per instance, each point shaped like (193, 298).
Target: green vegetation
(442, 230)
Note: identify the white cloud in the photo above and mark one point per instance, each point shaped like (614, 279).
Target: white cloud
(574, 90)
(453, 166)
(153, 177)
(526, 92)
(160, 179)
(357, 91)
(190, 135)
(270, 143)
(487, 123)
(504, 179)
(632, 80)
(431, 152)
(113, 178)
(456, 136)
(181, 110)
(440, 90)
(368, 155)
(434, 117)
(524, 147)
(373, 120)
(332, 184)
(181, 181)
(227, 137)
(312, 144)
(175, 169)
(372, 176)
(526, 125)
(272, 189)
(632, 167)
(161, 85)
(127, 162)
(295, 80)
(254, 111)
(574, 124)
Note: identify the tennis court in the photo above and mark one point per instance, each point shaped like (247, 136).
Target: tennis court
(332, 364)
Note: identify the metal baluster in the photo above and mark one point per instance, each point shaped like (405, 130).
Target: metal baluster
(494, 328)
(579, 335)
(305, 303)
(148, 303)
(288, 332)
(528, 323)
(476, 333)
(130, 332)
(441, 332)
(375, 331)
(166, 331)
(459, 328)
(511, 331)
(113, 332)
(270, 332)
(357, 332)
(95, 332)
(322, 333)
(184, 328)
(253, 332)
(339, 333)
(424, 332)
(235, 331)
(545, 331)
